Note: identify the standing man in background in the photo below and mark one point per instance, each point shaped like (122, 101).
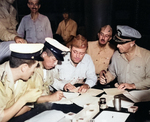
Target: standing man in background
(35, 27)
(8, 33)
(101, 50)
(67, 28)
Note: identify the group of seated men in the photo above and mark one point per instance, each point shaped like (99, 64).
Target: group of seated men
(35, 70)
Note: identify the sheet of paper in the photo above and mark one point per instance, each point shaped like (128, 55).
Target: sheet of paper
(68, 97)
(110, 116)
(113, 91)
(138, 95)
(47, 116)
(93, 92)
(85, 99)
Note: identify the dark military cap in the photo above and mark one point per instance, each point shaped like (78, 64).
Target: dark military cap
(56, 48)
(27, 51)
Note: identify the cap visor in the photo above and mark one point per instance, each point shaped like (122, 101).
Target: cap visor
(120, 41)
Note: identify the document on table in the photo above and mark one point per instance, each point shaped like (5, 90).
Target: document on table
(85, 99)
(138, 95)
(93, 92)
(111, 116)
(68, 97)
(47, 116)
(113, 91)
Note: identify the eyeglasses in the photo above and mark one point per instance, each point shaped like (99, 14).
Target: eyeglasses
(32, 4)
(106, 36)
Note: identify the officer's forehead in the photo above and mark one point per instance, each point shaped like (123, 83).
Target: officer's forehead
(33, 1)
(106, 29)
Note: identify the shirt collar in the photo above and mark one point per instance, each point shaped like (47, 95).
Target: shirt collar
(137, 52)
(98, 46)
(38, 18)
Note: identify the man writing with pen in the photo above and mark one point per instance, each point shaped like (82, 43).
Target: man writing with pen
(44, 76)
(130, 64)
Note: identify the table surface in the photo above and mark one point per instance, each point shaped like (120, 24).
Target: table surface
(142, 114)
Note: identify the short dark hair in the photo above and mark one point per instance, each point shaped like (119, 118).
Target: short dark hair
(39, 2)
(49, 53)
(16, 62)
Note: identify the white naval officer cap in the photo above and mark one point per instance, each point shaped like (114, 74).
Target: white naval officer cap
(126, 34)
(56, 48)
(27, 51)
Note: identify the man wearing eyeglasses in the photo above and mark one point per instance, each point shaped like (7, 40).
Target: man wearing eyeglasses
(35, 27)
(77, 67)
(101, 50)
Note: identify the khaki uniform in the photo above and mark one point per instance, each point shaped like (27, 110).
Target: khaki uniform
(136, 71)
(38, 80)
(101, 56)
(7, 22)
(66, 30)
(8, 93)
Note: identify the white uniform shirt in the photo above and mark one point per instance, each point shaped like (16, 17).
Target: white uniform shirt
(68, 73)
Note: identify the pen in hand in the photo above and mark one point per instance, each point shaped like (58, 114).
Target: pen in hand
(104, 72)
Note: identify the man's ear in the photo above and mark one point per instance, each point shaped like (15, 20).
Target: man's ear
(110, 38)
(24, 67)
(44, 54)
(28, 5)
(39, 6)
(98, 35)
(132, 43)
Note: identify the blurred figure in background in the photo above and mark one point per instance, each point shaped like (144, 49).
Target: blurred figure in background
(67, 28)
(8, 33)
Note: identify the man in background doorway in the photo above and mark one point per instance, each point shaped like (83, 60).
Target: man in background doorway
(35, 27)
(67, 28)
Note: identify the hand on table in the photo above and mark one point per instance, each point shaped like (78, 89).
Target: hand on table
(103, 79)
(69, 87)
(83, 88)
(124, 86)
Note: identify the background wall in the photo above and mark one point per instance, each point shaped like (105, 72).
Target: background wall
(90, 15)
